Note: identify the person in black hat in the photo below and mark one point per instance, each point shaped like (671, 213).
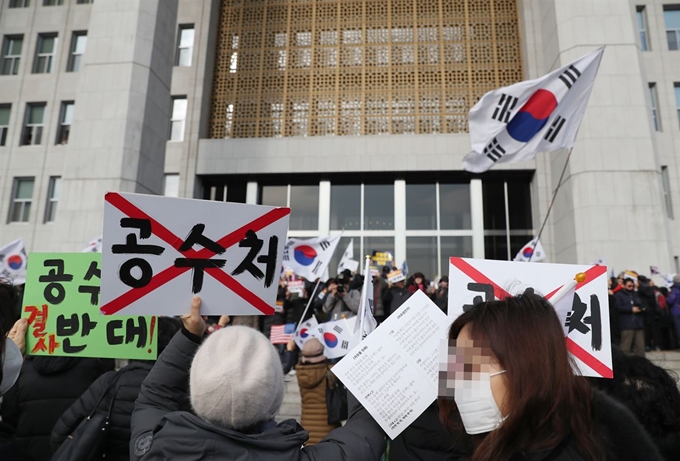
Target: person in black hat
(441, 296)
(341, 301)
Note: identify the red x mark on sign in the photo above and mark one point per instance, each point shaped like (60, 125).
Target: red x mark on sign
(175, 242)
(576, 350)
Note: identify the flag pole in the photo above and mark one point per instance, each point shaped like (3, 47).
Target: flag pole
(362, 304)
(309, 303)
(552, 202)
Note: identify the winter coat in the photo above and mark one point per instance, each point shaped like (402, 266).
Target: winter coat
(424, 440)
(625, 301)
(399, 297)
(10, 449)
(312, 381)
(441, 299)
(622, 437)
(336, 305)
(162, 430)
(125, 385)
(46, 388)
(673, 300)
(380, 296)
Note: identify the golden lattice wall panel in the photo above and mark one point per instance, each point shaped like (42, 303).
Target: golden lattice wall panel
(358, 67)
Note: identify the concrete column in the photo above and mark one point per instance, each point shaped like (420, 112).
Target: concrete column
(121, 120)
(325, 209)
(251, 193)
(477, 210)
(399, 222)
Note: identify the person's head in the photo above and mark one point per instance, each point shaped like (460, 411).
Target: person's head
(386, 270)
(629, 284)
(519, 338)
(419, 278)
(400, 284)
(612, 282)
(648, 390)
(312, 352)
(444, 282)
(664, 291)
(236, 379)
(167, 327)
(8, 297)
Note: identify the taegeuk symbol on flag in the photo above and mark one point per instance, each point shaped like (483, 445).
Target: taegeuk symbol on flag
(514, 123)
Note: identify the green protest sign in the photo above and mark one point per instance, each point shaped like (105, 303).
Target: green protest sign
(61, 303)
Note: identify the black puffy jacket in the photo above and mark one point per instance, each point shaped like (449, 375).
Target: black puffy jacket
(46, 388)
(124, 387)
(162, 429)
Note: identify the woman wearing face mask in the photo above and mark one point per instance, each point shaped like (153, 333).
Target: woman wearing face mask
(509, 393)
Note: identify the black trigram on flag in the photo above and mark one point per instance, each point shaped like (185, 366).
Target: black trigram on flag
(324, 245)
(345, 345)
(494, 151)
(504, 108)
(338, 329)
(555, 128)
(570, 76)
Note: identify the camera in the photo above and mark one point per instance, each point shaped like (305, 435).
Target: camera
(341, 288)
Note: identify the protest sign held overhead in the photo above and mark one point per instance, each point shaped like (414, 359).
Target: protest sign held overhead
(13, 262)
(382, 258)
(586, 322)
(61, 303)
(394, 371)
(310, 258)
(160, 251)
(514, 123)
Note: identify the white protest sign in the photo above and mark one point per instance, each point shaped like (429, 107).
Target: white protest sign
(296, 286)
(394, 371)
(158, 251)
(472, 281)
(339, 337)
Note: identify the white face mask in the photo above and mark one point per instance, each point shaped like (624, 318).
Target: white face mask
(476, 404)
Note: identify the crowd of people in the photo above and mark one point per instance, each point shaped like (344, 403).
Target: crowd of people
(218, 384)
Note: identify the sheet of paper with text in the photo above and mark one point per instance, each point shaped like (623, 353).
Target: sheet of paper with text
(394, 371)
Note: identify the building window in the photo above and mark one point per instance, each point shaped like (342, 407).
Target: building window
(655, 104)
(11, 54)
(185, 45)
(78, 43)
(303, 201)
(671, 15)
(52, 198)
(45, 52)
(19, 3)
(84, 2)
(506, 228)
(65, 120)
(641, 13)
(5, 109)
(676, 87)
(33, 126)
(171, 185)
(179, 115)
(22, 196)
(667, 191)
(53, 2)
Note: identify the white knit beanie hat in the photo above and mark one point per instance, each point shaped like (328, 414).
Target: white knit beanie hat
(236, 379)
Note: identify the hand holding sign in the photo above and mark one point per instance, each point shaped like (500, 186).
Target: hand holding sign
(193, 321)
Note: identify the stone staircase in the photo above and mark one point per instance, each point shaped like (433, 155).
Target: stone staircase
(291, 407)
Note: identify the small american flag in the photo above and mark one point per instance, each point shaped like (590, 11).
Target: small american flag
(282, 334)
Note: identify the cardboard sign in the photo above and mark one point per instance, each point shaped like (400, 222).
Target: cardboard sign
(61, 303)
(382, 258)
(394, 371)
(472, 281)
(296, 286)
(159, 251)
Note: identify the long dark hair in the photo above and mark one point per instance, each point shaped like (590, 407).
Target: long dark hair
(546, 403)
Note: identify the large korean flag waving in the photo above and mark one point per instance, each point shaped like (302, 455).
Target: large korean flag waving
(514, 123)
(310, 258)
(585, 324)
(13, 262)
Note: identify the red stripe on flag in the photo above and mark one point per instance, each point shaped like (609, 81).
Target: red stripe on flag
(478, 277)
(247, 295)
(591, 274)
(583, 355)
(278, 335)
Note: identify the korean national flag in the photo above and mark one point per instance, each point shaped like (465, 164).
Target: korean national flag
(13, 261)
(310, 258)
(514, 123)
